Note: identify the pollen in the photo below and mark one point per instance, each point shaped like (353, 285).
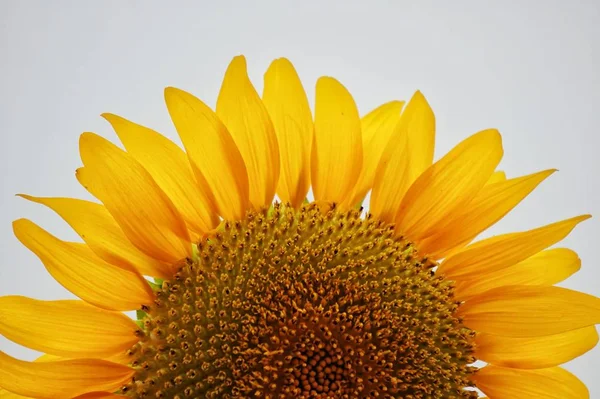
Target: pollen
(310, 303)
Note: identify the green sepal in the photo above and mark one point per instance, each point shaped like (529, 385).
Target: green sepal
(157, 284)
(140, 314)
(195, 253)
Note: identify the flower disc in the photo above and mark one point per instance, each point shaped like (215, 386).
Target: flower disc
(306, 304)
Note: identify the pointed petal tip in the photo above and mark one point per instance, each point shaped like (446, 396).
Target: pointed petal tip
(327, 83)
(494, 137)
(171, 92)
(581, 218)
(543, 174)
(237, 65)
(174, 97)
(87, 139)
(279, 66)
(547, 172)
(111, 118)
(18, 223)
(419, 95)
(493, 132)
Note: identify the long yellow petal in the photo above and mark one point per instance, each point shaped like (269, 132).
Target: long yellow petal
(377, 128)
(392, 179)
(491, 204)
(79, 270)
(242, 111)
(143, 211)
(96, 226)
(285, 99)
(407, 154)
(550, 383)
(61, 379)
(4, 394)
(448, 185)
(214, 156)
(337, 156)
(493, 254)
(418, 124)
(92, 395)
(65, 328)
(535, 352)
(548, 267)
(169, 167)
(530, 311)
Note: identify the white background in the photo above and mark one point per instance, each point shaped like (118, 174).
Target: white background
(529, 69)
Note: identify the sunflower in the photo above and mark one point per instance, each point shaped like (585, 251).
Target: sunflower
(241, 294)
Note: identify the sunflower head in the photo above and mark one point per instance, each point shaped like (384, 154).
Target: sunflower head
(242, 295)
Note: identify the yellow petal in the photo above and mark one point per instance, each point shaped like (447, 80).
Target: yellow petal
(548, 267)
(48, 358)
(214, 156)
(535, 352)
(9, 395)
(418, 124)
(337, 157)
(101, 233)
(242, 111)
(92, 395)
(143, 211)
(407, 154)
(80, 271)
(4, 394)
(497, 177)
(550, 383)
(169, 167)
(493, 254)
(392, 179)
(377, 128)
(285, 99)
(448, 185)
(61, 379)
(491, 204)
(65, 328)
(530, 311)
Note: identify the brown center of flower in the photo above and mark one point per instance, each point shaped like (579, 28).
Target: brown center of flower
(303, 304)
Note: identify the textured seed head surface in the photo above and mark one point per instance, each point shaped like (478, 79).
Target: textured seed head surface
(309, 303)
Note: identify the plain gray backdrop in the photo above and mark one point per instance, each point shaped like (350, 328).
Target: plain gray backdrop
(527, 68)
